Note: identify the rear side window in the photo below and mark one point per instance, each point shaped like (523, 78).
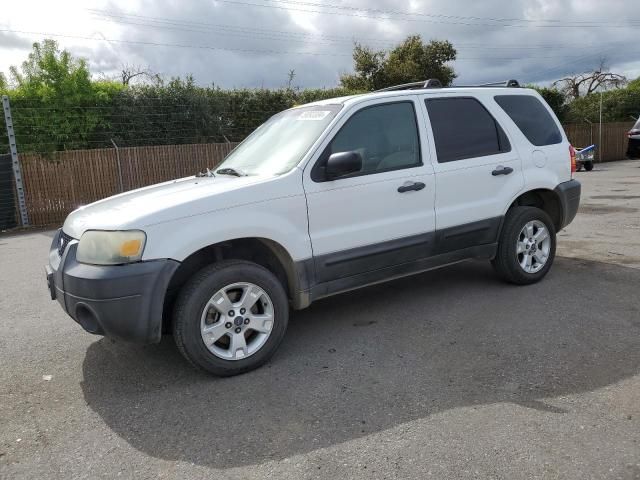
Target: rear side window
(532, 118)
(463, 128)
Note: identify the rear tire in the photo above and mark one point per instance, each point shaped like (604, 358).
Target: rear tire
(239, 309)
(527, 246)
(588, 166)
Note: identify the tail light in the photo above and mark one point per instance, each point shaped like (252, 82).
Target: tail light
(572, 155)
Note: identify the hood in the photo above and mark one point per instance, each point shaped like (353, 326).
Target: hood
(159, 203)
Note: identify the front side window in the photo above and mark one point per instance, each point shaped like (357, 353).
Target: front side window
(463, 128)
(385, 136)
(531, 117)
(279, 144)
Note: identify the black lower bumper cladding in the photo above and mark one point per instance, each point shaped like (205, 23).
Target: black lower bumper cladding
(121, 301)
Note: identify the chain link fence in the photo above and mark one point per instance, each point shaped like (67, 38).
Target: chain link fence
(73, 155)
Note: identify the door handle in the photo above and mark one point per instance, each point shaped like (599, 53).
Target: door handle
(407, 187)
(500, 170)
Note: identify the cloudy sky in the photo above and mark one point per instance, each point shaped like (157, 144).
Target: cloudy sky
(254, 43)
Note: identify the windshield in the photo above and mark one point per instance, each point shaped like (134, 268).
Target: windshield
(277, 145)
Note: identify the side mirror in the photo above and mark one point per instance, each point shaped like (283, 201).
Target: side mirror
(342, 163)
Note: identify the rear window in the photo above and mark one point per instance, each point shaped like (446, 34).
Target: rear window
(531, 117)
(463, 128)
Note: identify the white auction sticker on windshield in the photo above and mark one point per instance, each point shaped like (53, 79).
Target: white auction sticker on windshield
(313, 115)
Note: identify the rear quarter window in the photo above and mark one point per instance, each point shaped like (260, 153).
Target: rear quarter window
(531, 117)
(463, 128)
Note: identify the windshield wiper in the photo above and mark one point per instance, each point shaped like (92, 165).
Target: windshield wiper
(231, 171)
(208, 173)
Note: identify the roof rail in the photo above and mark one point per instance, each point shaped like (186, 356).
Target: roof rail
(506, 83)
(435, 83)
(430, 83)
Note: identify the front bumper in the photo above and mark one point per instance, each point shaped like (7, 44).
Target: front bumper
(569, 195)
(121, 301)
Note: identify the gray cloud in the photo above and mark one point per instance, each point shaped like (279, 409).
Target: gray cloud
(12, 41)
(254, 46)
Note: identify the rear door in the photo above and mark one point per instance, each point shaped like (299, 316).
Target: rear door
(543, 147)
(478, 171)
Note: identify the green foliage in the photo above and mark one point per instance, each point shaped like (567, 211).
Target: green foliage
(56, 106)
(411, 61)
(51, 73)
(618, 105)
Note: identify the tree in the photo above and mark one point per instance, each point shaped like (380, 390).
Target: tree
(130, 72)
(60, 87)
(49, 72)
(588, 82)
(290, 77)
(618, 105)
(3, 83)
(411, 61)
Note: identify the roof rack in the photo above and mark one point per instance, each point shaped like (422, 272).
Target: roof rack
(431, 83)
(435, 83)
(506, 83)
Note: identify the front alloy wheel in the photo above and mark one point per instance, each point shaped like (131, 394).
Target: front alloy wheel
(230, 317)
(237, 321)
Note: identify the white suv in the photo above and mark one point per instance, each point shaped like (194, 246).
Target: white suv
(321, 199)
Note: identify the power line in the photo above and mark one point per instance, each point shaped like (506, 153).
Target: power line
(405, 15)
(452, 17)
(241, 50)
(176, 45)
(287, 36)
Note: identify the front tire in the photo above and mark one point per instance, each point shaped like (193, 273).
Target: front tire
(588, 166)
(230, 317)
(527, 246)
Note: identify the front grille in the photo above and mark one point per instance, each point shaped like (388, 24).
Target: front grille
(63, 241)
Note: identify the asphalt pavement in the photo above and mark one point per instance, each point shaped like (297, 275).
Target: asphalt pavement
(448, 374)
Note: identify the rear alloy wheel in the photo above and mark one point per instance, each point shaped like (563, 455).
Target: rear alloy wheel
(230, 317)
(527, 246)
(533, 246)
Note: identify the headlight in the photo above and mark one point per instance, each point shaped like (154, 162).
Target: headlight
(111, 248)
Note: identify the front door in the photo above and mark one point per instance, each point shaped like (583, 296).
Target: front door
(382, 215)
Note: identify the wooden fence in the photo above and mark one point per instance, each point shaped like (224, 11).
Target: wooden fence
(56, 186)
(614, 138)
